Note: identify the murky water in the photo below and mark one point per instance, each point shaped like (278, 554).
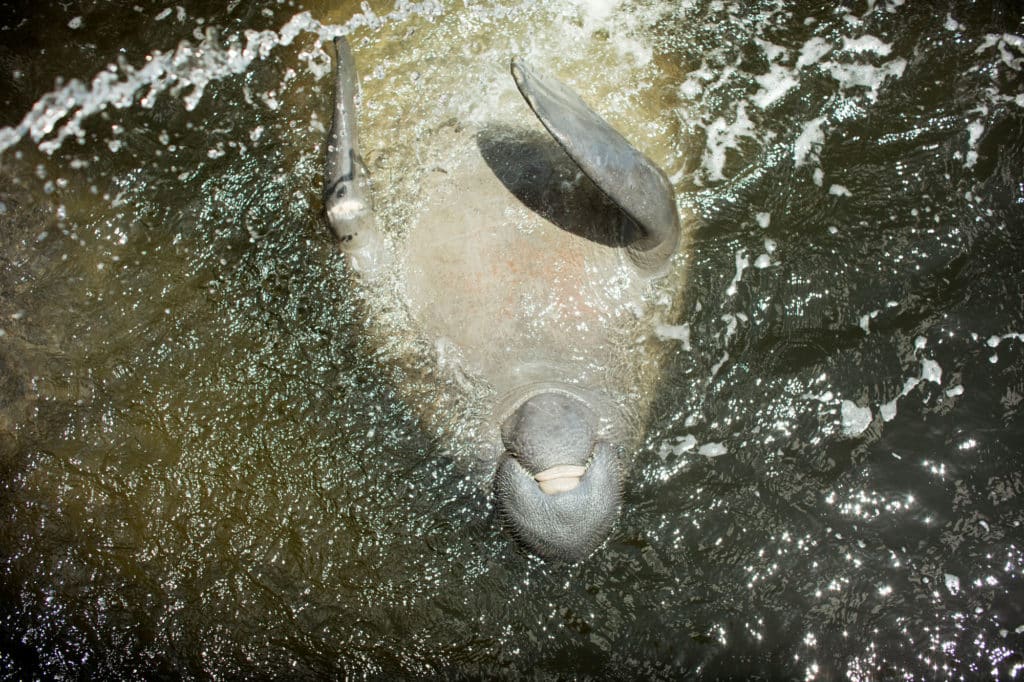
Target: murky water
(210, 470)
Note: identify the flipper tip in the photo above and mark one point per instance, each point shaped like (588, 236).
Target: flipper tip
(519, 69)
(630, 179)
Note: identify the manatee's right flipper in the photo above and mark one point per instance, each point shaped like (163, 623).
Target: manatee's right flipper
(629, 178)
(348, 204)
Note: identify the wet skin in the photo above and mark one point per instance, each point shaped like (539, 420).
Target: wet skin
(534, 272)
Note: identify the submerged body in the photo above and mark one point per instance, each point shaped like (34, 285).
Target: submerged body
(535, 260)
(524, 300)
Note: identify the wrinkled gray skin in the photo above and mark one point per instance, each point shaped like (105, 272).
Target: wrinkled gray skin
(549, 430)
(558, 482)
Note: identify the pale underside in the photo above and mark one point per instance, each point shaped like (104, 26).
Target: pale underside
(513, 262)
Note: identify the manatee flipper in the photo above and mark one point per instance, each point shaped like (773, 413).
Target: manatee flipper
(630, 179)
(348, 204)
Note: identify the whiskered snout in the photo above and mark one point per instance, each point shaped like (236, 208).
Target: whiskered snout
(564, 512)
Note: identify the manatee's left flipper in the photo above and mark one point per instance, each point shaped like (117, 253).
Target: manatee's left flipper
(630, 179)
(348, 204)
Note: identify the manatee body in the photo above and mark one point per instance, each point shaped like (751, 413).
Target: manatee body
(537, 258)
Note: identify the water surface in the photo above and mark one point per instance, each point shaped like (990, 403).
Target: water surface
(209, 468)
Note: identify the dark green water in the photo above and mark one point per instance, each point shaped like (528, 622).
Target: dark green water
(208, 470)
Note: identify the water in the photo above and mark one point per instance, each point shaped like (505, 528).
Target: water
(209, 471)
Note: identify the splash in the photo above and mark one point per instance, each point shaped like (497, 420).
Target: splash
(59, 114)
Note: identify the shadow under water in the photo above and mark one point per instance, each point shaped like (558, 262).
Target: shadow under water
(538, 172)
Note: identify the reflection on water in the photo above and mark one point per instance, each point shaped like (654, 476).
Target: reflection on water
(207, 467)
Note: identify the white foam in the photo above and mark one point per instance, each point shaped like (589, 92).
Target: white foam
(60, 113)
(620, 23)
(721, 137)
(772, 51)
(909, 385)
(850, 76)
(742, 263)
(683, 444)
(994, 340)
(974, 132)
(718, 365)
(952, 24)
(1014, 40)
(680, 332)
(597, 11)
(931, 371)
(854, 420)
(774, 85)
(809, 142)
(712, 450)
(691, 88)
(839, 191)
(694, 83)
(763, 219)
(952, 583)
(1006, 44)
(731, 324)
(867, 43)
(812, 51)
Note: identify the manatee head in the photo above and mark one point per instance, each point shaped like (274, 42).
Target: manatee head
(558, 486)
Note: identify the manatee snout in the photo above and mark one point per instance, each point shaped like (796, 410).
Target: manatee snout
(558, 486)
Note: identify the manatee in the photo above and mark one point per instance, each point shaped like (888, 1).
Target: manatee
(537, 258)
